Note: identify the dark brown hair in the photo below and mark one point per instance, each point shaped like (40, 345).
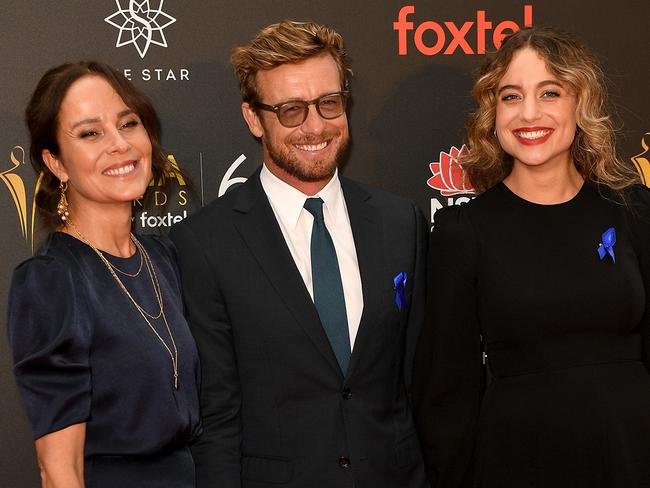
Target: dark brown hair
(42, 114)
(287, 42)
(593, 149)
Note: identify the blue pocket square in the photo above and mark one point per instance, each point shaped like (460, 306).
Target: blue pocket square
(400, 288)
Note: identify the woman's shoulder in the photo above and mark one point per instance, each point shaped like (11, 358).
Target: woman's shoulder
(42, 283)
(56, 252)
(638, 196)
(633, 200)
(636, 201)
(162, 252)
(453, 223)
(158, 244)
(476, 208)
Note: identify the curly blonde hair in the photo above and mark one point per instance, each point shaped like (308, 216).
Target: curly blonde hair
(594, 147)
(287, 42)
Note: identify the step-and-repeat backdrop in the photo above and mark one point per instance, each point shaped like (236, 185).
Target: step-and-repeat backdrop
(412, 61)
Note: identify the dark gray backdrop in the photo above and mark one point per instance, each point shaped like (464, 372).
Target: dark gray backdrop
(407, 113)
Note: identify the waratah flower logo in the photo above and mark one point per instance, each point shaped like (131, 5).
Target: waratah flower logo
(448, 176)
(140, 24)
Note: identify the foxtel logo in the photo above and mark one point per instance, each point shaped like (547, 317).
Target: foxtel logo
(457, 35)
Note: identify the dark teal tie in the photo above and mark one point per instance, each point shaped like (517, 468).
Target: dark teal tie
(328, 289)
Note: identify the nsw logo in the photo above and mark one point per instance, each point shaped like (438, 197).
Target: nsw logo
(141, 24)
(448, 176)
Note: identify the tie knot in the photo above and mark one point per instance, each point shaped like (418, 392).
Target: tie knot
(315, 207)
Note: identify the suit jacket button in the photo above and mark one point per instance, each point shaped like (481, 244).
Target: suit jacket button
(346, 394)
(344, 462)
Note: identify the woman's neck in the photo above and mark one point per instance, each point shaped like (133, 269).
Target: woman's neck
(544, 185)
(108, 230)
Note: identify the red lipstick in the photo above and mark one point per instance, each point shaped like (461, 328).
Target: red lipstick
(530, 136)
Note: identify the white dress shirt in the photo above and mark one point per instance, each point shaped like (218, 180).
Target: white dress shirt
(296, 223)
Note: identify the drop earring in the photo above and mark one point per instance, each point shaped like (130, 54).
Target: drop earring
(62, 207)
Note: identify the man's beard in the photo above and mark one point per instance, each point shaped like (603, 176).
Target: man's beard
(312, 171)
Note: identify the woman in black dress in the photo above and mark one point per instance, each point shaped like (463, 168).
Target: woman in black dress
(103, 358)
(532, 368)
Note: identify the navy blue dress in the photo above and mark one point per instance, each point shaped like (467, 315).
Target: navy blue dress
(83, 353)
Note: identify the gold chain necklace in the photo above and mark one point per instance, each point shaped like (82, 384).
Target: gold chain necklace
(156, 289)
(132, 275)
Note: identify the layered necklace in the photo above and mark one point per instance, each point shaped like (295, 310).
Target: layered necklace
(144, 258)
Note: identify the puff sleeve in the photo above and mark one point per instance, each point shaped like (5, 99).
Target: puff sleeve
(50, 340)
(448, 369)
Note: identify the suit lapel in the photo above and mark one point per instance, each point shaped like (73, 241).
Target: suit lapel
(369, 244)
(261, 233)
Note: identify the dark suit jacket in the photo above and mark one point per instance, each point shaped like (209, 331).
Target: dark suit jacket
(276, 409)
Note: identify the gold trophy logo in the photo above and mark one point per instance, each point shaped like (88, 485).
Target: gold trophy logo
(159, 196)
(16, 186)
(642, 160)
(173, 172)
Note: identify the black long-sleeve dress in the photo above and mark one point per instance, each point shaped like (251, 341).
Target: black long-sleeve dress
(83, 353)
(565, 398)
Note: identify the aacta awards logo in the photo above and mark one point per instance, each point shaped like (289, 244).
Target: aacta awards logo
(140, 24)
(176, 197)
(449, 179)
(449, 36)
(642, 160)
(16, 186)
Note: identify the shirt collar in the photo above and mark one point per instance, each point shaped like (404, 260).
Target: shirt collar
(288, 202)
(332, 195)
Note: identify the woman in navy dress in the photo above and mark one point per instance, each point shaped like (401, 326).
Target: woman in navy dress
(532, 367)
(104, 361)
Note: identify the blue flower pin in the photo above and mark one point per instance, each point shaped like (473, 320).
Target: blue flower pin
(400, 288)
(607, 245)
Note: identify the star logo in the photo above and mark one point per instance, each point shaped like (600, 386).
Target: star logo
(140, 25)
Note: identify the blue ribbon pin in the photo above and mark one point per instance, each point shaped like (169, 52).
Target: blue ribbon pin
(400, 287)
(607, 245)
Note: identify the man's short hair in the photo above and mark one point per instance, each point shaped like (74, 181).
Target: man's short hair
(287, 42)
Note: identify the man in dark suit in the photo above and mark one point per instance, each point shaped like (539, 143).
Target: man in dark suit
(304, 292)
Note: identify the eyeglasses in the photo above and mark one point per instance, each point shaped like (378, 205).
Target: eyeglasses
(294, 113)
